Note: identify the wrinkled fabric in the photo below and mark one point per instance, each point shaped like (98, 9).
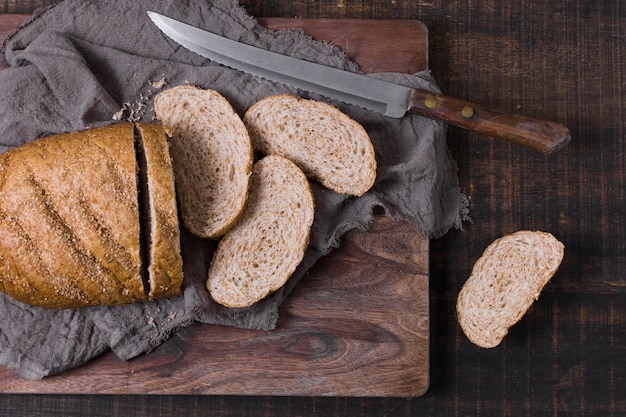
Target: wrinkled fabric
(83, 64)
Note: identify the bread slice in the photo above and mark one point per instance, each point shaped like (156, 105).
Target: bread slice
(165, 266)
(259, 254)
(212, 156)
(324, 142)
(70, 221)
(504, 283)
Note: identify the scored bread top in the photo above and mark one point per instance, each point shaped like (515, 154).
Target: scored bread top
(324, 142)
(69, 222)
(165, 266)
(504, 282)
(259, 254)
(212, 157)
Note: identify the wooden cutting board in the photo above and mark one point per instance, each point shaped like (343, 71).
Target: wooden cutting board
(356, 325)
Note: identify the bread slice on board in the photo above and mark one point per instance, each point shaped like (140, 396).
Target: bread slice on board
(504, 282)
(259, 254)
(70, 223)
(212, 156)
(324, 142)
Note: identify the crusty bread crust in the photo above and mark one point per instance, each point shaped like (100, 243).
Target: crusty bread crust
(323, 141)
(69, 223)
(504, 283)
(259, 254)
(212, 156)
(165, 269)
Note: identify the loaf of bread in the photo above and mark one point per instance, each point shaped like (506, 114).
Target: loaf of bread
(71, 232)
(212, 156)
(259, 254)
(504, 282)
(323, 141)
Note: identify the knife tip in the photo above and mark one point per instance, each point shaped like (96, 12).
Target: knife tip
(153, 15)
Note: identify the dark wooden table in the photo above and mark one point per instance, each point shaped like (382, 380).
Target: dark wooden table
(563, 61)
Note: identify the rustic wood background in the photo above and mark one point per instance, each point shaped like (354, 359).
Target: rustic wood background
(564, 61)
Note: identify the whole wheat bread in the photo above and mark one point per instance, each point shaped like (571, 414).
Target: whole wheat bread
(212, 156)
(165, 266)
(70, 228)
(259, 254)
(323, 141)
(504, 282)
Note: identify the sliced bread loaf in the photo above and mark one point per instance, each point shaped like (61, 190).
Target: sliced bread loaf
(69, 220)
(259, 254)
(212, 157)
(504, 282)
(324, 142)
(71, 229)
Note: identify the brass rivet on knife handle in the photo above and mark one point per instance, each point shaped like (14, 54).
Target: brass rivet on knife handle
(541, 135)
(467, 111)
(430, 102)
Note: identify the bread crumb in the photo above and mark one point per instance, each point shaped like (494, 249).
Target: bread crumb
(119, 115)
(159, 84)
(135, 112)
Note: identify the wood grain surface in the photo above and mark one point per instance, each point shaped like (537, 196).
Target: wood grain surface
(563, 61)
(356, 326)
(8, 23)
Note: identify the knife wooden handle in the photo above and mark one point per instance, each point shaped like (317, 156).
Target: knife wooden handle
(544, 136)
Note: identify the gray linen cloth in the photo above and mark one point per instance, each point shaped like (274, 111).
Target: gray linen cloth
(84, 64)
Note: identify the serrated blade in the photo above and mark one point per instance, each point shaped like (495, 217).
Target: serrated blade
(373, 94)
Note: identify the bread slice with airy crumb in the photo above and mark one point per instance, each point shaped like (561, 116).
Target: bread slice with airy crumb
(212, 157)
(504, 282)
(323, 141)
(259, 254)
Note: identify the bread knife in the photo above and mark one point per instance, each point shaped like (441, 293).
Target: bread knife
(377, 95)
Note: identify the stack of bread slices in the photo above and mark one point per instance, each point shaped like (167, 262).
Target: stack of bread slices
(91, 218)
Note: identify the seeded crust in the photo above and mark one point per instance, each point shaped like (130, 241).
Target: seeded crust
(259, 254)
(324, 142)
(212, 156)
(504, 283)
(165, 270)
(69, 223)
